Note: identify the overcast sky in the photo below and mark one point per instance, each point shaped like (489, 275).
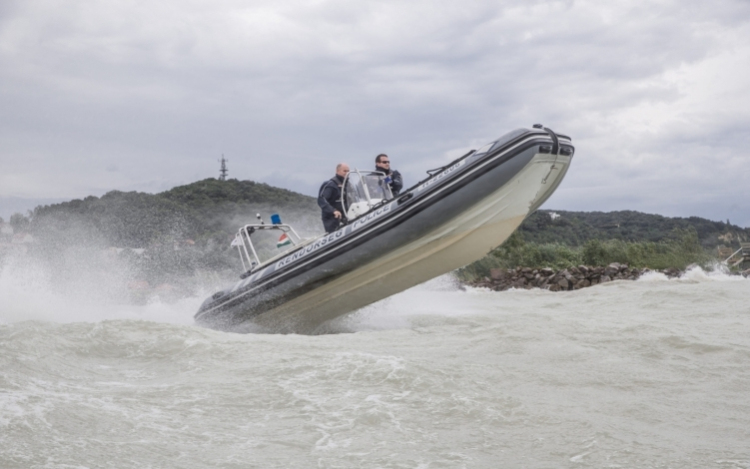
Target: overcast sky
(135, 95)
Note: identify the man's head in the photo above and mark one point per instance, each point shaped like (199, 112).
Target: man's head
(342, 169)
(383, 162)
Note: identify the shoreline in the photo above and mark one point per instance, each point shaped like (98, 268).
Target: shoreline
(573, 278)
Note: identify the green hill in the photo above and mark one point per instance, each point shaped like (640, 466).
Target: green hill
(576, 228)
(198, 211)
(561, 239)
(178, 232)
(189, 228)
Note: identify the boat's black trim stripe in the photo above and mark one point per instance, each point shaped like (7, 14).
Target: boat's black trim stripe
(278, 277)
(378, 226)
(473, 153)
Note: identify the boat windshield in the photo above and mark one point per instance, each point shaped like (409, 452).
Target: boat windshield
(364, 190)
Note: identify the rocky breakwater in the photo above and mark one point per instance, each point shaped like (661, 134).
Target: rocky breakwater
(573, 278)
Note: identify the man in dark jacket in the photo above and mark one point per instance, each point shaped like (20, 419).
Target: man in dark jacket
(329, 199)
(393, 177)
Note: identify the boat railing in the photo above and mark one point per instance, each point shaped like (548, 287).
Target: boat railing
(244, 243)
(739, 256)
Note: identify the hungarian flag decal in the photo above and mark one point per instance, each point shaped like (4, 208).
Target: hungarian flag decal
(283, 241)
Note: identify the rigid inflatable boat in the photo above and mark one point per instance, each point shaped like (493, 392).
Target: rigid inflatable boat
(389, 244)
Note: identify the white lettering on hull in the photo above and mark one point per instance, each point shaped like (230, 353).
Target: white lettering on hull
(326, 240)
(442, 175)
(360, 222)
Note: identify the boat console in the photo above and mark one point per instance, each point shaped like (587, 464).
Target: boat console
(363, 191)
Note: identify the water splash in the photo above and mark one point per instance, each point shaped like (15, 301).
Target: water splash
(36, 291)
(696, 274)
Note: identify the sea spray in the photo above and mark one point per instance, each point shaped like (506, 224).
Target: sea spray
(87, 285)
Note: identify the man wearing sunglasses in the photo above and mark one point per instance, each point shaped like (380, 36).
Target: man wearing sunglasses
(392, 177)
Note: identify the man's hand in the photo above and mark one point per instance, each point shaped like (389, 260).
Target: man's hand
(337, 214)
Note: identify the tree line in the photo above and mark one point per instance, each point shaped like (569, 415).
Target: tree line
(190, 227)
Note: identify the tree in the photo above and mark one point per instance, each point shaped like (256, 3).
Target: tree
(19, 222)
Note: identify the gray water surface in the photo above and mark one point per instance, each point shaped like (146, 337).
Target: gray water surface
(648, 374)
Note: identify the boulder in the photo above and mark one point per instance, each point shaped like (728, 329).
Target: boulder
(498, 274)
(573, 278)
(671, 272)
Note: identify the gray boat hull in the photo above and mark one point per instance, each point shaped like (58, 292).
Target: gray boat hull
(447, 221)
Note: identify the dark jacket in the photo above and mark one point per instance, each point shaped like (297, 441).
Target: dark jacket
(396, 181)
(329, 198)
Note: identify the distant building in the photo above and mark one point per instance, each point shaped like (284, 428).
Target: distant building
(724, 252)
(554, 215)
(727, 237)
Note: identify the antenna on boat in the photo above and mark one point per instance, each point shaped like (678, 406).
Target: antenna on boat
(223, 171)
(257, 215)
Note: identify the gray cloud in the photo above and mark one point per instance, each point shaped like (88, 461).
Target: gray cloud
(653, 93)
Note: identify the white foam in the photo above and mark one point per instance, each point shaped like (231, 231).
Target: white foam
(653, 276)
(29, 291)
(718, 274)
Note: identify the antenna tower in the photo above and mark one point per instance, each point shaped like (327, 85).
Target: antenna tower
(223, 172)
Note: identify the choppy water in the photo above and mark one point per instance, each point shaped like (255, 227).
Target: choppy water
(653, 373)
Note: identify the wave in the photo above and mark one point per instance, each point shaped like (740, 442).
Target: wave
(696, 274)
